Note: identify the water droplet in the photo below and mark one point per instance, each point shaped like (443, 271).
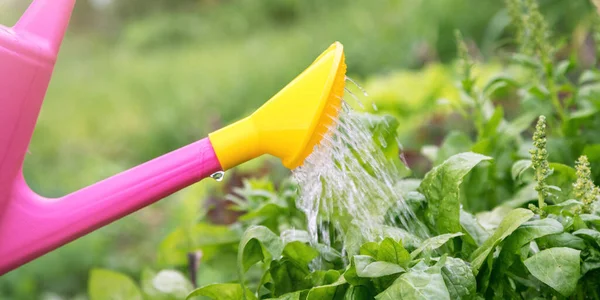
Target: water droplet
(374, 106)
(218, 176)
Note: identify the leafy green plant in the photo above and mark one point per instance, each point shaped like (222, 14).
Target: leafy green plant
(486, 238)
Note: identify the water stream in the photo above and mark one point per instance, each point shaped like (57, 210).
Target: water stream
(348, 181)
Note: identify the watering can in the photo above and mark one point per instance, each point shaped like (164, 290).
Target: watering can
(289, 126)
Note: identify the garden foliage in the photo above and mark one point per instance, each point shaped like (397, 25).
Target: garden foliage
(510, 204)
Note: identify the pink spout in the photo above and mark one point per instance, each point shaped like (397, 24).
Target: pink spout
(31, 225)
(47, 20)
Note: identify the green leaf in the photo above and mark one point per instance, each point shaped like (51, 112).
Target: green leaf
(510, 223)
(539, 91)
(459, 279)
(367, 267)
(532, 230)
(294, 235)
(105, 284)
(520, 167)
(370, 248)
(425, 285)
(589, 234)
(592, 219)
(222, 291)
(559, 268)
(383, 130)
(491, 127)
(358, 293)
(331, 291)
(497, 82)
(258, 244)
(441, 187)
(526, 233)
(490, 220)
(351, 274)
(562, 68)
(434, 243)
(289, 276)
(564, 239)
(409, 240)
(589, 76)
(393, 252)
(475, 233)
(328, 253)
(591, 260)
(300, 252)
(557, 209)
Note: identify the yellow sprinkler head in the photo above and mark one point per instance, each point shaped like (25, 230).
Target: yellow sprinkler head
(293, 121)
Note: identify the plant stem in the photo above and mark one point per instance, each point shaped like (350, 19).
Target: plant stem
(479, 119)
(193, 260)
(554, 97)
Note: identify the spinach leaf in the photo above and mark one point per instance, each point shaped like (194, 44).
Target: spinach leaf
(526, 233)
(441, 187)
(300, 252)
(589, 234)
(475, 233)
(564, 239)
(258, 244)
(358, 293)
(558, 267)
(289, 276)
(370, 248)
(434, 243)
(367, 267)
(531, 230)
(416, 284)
(509, 224)
(333, 291)
(519, 168)
(459, 279)
(393, 252)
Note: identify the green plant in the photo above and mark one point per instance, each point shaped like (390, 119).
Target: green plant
(483, 242)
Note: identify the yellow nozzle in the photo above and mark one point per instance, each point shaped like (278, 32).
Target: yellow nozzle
(291, 123)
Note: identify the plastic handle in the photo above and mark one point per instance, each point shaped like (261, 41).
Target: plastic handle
(33, 225)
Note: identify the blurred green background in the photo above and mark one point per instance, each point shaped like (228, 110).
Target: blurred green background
(138, 78)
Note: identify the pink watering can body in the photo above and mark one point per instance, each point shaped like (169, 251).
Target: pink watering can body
(31, 225)
(289, 126)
